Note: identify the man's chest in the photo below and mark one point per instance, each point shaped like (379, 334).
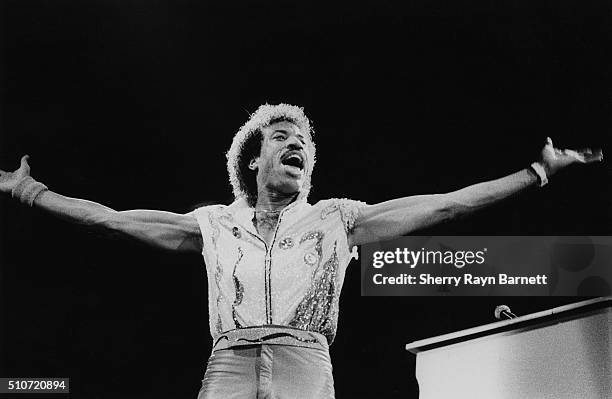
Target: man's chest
(266, 224)
(304, 236)
(286, 239)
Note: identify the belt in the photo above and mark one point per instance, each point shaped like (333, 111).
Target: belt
(272, 335)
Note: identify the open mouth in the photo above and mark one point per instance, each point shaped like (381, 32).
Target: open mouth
(293, 159)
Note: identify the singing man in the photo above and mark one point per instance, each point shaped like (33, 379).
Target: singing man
(276, 263)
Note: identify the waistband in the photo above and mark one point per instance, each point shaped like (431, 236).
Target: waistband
(270, 335)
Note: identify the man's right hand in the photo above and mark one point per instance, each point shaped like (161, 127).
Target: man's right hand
(9, 180)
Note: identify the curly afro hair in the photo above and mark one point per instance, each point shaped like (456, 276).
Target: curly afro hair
(246, 145)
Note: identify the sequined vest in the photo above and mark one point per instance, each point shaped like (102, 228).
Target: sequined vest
(294, 281)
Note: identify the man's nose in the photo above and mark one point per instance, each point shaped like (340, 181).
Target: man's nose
(294, 143)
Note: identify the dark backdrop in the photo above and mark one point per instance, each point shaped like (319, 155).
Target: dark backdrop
(133, 103)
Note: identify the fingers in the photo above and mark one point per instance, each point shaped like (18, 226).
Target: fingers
(583, 155)
(580, 157)
(595, 156)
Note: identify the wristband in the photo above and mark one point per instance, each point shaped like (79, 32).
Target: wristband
(27, 190)
(538, 169)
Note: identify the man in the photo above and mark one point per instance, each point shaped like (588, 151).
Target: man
(276, 264)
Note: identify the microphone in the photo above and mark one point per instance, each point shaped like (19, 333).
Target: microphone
(503, 310)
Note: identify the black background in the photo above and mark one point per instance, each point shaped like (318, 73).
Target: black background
(133, 103)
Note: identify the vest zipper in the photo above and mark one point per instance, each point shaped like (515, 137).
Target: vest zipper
(268, 267)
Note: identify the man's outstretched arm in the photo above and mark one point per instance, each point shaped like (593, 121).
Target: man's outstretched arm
(402, 216)
(160, 229)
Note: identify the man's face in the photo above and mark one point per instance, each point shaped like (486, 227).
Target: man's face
(283, 163)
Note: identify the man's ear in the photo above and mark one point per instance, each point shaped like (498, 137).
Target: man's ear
(253, 164)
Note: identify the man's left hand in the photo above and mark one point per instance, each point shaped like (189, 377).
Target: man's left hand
(554, 159)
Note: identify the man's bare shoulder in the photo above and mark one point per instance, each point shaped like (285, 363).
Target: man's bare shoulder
(207, 207)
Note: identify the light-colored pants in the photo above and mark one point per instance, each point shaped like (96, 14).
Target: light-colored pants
(268, 372)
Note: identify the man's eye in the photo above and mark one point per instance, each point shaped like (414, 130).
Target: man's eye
(279, 137)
